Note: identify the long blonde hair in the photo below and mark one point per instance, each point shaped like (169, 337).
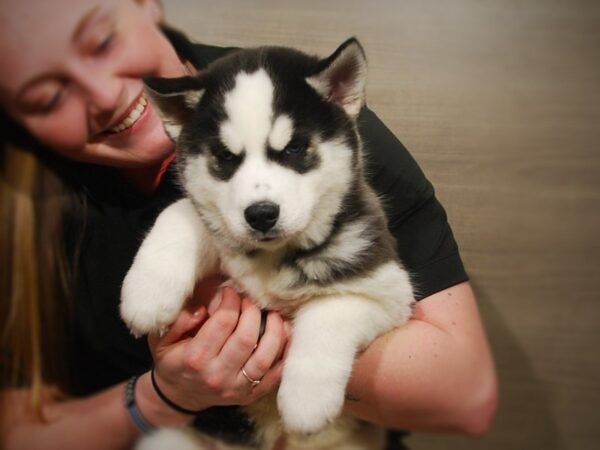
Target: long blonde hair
(34, 303)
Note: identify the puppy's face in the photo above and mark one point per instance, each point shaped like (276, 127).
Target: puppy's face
(264, 154)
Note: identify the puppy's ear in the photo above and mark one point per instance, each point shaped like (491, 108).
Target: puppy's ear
(342, 77)
(175, 99)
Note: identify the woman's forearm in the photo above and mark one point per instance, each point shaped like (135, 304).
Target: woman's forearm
(97, 422)
(434, 374)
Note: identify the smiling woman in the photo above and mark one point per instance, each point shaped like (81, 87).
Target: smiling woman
(85, 170)
(78, 87)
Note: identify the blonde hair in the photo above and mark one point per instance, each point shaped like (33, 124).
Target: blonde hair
(34, 305)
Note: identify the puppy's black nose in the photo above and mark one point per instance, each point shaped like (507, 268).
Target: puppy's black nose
(262, 216)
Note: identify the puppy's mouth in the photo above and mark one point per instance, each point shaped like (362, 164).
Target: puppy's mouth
(266, 237)
(270, 237)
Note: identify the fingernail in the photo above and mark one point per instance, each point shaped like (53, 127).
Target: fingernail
(214, 303)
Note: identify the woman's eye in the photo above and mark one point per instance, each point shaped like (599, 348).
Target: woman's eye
(105, 44)
(296, 148)
(53, 103)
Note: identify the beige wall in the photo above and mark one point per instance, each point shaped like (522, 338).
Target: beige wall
(499, 101)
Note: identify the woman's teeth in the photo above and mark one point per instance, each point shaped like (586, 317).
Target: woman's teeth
(133, 116)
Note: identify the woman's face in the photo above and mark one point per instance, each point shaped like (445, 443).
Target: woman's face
(71, 74)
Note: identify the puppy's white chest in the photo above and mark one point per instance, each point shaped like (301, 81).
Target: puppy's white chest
(264, 279)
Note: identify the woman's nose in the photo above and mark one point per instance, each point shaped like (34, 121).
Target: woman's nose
(104, 94)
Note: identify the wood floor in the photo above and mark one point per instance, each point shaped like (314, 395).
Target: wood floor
(499, 101)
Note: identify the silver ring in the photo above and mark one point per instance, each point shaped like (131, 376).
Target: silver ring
(252, 381)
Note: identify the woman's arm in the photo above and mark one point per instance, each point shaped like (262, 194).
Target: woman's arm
(96, 422)
(434, 374)
(194, 371)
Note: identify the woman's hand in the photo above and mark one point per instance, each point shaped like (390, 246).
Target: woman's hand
(199, 361)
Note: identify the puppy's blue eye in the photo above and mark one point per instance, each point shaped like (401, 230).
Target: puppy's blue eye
(296, 148)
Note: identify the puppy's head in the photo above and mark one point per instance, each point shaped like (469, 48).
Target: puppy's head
(267, 143)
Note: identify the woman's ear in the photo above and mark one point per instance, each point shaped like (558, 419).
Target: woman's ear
(153, 8)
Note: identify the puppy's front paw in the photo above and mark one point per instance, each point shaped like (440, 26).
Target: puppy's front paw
(148, 304)
(309, 400)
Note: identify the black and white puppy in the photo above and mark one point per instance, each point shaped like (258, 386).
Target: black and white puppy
(271, 162)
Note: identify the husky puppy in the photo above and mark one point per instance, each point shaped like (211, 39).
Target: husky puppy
(271, 162)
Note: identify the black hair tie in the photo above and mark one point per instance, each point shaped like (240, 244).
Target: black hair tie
(168, 401)
(263, 323)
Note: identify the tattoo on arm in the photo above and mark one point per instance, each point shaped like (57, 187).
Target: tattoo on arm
(352, 398)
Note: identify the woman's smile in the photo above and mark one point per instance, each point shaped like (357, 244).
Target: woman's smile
(133, 114)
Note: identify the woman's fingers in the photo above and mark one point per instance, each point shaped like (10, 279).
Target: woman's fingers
(188, 321)
(225, 342)
(206, 292)
(218, 328)
(269, 381)
(194, 312)
(269, 348)
(242, 342)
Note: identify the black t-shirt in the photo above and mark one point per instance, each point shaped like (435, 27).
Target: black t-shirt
(116, 218)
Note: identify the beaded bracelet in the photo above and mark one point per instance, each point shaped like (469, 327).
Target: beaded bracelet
(134, 413)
